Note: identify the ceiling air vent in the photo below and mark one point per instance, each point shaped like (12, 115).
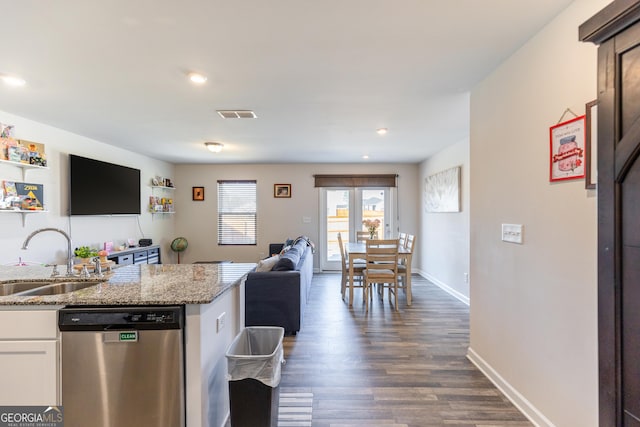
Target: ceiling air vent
(237, 114)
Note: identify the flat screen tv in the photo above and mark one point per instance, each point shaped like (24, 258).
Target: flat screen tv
(101, 188)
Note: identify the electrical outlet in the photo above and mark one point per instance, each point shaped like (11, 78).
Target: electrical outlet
(466, 277)
(512, 233)
(220, 321)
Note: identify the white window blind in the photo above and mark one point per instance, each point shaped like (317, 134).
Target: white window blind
(237, 223)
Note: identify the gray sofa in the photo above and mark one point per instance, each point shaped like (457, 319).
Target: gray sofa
(278, 297)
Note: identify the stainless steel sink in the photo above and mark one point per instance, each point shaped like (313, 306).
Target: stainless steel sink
(12, 287)
(59, 288)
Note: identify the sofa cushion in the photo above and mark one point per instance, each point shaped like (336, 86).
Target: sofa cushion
(268, 263)
(288, 260)
(301, 246)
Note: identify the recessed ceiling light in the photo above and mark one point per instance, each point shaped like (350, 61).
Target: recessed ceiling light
(366, 156)
(214, 147)
(13, 80)
(197, 78)
(382, 131)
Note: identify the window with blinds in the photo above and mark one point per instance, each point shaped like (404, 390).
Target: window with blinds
(237, 216)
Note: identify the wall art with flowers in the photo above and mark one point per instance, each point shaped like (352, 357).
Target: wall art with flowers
(567, 156)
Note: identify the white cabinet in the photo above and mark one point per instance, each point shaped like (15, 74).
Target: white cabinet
(29, 357)
(29, 372)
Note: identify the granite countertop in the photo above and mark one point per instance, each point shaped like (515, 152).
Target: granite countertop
(154, 284)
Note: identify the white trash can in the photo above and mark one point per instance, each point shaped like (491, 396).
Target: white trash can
(254, 362)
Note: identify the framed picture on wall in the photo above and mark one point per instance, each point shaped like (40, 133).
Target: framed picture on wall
(566, 150)
(591, 146)
(281, 190)
(197, 194)
(442, 191)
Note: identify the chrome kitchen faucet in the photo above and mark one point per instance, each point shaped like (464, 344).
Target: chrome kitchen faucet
(25, 245)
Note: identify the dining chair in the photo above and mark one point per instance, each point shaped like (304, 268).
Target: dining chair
(358, 267)
(363, 236)
(410, 242)
(402, 239)
(381, 268)
(402, 265)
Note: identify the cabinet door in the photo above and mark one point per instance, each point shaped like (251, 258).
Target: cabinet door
(140, 257)
(153, 256)
(29, 372)
(125, 259)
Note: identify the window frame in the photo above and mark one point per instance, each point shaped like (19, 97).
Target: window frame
(225, 192)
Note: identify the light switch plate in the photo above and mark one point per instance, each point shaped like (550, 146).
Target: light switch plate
(512, 233)
(220, 321)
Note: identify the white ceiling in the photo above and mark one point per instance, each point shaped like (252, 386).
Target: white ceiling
(321, 75)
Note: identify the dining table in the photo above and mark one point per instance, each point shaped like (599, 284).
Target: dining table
(358, 251)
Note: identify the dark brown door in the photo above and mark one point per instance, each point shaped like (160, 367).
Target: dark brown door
(617, 30)
(627, 183)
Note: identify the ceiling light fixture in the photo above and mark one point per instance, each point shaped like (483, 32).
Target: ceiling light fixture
(382, 131)
(197, 78)
(214, 147)
(13, 80)
(366, 156)
(237, 114)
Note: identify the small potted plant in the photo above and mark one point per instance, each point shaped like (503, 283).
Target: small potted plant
(85, 253)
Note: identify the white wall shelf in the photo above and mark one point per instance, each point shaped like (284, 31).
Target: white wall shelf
(161, 188)
(23, 212)
(23, 166)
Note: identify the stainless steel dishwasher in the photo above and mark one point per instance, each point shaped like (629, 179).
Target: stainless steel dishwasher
(122, 366)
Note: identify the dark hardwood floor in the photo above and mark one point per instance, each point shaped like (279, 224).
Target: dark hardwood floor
(385, 368)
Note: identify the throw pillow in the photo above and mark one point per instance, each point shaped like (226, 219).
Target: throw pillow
(285, 249)
(268, 263)
(288, 261)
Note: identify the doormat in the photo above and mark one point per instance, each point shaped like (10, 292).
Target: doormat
(295, 409)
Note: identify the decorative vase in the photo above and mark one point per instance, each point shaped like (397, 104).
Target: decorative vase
(372, 233)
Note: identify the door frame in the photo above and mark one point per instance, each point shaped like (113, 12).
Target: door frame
(355, 217)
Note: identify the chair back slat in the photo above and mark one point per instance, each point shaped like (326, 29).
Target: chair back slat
(363, 236)
(382, 254)
(342, 255)
(411, 241)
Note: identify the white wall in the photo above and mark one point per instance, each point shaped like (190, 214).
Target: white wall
(91, 230)
(444, 237)
(534, 306)
(277, 218)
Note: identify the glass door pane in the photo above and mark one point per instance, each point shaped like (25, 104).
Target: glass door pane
(343, 211)
(337, 221)
(373, 203)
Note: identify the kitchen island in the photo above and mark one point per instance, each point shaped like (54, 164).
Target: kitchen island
(213, 297)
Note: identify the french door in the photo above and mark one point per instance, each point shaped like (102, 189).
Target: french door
(343, 210)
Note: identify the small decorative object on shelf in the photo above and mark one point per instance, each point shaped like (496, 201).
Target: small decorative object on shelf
(21, 196)
(159, 181)
(23, 152)
(160, 205)
(372, 225)
(103, 255)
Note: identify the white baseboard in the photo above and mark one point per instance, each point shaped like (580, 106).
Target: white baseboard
(445, 287)
(518, 400)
